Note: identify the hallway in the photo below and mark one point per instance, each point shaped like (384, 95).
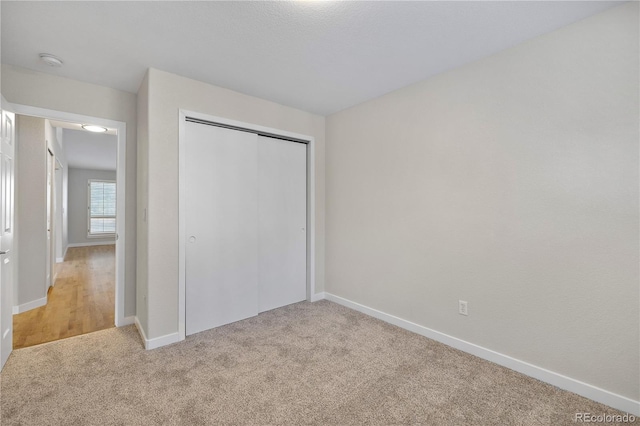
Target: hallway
(82, 300)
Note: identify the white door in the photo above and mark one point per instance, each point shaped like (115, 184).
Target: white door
(221, 254)
(7, 150)
(282, 218)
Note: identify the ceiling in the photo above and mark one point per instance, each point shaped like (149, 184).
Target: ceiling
(321, 57)
(86, 150)
(78, 126)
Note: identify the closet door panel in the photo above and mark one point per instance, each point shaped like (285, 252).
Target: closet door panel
(221, 227)
(282, 217)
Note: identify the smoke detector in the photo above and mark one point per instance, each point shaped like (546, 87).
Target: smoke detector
(51, 60)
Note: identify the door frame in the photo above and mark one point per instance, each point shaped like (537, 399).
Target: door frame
(121, 164)
(51, 216)
(311, 200)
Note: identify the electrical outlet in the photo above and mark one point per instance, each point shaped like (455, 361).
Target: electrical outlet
(462, 307)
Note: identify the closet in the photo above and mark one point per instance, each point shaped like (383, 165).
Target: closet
(245, 214)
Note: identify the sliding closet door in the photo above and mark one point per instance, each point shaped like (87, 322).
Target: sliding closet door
(282, 218)
(221, 254)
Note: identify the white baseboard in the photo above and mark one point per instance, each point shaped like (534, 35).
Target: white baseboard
(91, 243)
(29, 305)
(61, 259)
(563, 382)
(126, 321)
(157, 341)
(140, 331)
(317, 296)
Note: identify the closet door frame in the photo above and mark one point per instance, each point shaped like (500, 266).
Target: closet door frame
(311, 181)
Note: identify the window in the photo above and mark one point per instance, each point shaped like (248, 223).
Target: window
(102, 208)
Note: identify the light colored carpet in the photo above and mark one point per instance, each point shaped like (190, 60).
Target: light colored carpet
(302, 364)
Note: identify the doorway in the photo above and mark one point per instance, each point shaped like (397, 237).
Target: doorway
(96, 230)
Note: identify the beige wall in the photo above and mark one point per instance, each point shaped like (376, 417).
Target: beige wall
(511, 183)
(142, 282)
(34, 136)
(31, 210)
(167, 94)
(26, 87)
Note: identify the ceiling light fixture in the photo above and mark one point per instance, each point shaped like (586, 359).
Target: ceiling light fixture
(92, 128)
(51, 60)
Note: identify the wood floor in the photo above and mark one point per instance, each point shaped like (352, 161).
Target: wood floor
(81, 301)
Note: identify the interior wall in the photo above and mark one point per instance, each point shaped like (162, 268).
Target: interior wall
(167, 93)
(143, 194)
(26, 87)
(31, 209)
(510, 183)
(78, 203)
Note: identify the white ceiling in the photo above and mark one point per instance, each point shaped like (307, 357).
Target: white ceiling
(78, 126)
(318, 56)
(86, 150)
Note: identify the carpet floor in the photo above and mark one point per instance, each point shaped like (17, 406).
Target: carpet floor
(302, 364)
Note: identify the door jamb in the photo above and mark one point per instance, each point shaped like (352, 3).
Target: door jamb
(51, 216)
(311, 202)
(121, 164)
